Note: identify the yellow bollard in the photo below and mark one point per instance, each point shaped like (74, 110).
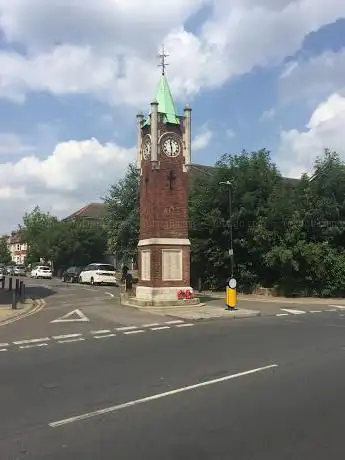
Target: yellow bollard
(231, 294)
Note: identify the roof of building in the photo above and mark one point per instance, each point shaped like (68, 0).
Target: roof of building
(90, 211)
(166, 103)
(15, 238)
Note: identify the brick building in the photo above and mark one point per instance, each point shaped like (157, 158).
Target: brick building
(17, 248)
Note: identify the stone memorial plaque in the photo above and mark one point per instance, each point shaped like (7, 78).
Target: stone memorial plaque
(146, 265)
(172, 264)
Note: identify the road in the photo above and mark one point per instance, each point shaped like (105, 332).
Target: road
(254, 389)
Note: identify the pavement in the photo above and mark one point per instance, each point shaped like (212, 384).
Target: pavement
(263, 388)
(24, 308)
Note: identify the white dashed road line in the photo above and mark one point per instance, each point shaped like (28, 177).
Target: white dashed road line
(294, 312)
(67, 336)
(37, 345)
(23, 342)
(134, 332)
(315, 311)
(104, 336)
(102, 331)
(71, 340)
(94, 334)
(126, 328)
(282, 314)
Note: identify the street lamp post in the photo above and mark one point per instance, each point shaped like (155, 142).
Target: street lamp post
(231, 249)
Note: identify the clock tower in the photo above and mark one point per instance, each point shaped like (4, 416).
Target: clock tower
(163, 158)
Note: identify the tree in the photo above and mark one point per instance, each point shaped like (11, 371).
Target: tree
(5, 255)
(62, 242)
(254, 178)
(122, 217)
(37, 232)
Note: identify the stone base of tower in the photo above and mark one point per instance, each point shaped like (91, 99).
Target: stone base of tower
(162, 296)
(164, 273)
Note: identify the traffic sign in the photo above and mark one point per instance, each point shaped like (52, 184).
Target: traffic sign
(232, 283)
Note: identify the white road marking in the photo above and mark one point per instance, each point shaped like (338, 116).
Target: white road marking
(34, 346)
(102, 331)
(5, 344)
(126, 328)
(109, 293)
(118, 407)
(160, 328)
(332, 309)
(67, 318)
(71, 340)
(282, 314)
(22, 342)
(3, 349)
(340, 307)
(89, 289)
(66, 336)
(293, 312)
(185, 325)
(315, 311)
(150, 325)
(174, 322)
(134, 332)
(104, 336)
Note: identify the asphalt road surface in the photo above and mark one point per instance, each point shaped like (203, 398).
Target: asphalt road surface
(252, 389)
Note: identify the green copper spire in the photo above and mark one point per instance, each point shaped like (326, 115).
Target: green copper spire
(165, 101)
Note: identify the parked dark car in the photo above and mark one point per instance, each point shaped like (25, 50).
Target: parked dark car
(71, 274)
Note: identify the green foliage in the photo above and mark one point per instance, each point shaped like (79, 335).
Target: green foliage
(287, 234)
(122, 217)
(64, 243)
(5, 255)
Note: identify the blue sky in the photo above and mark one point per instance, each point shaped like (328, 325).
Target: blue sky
(73, 75)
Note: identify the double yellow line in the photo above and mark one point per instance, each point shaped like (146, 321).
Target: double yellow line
(37, 306)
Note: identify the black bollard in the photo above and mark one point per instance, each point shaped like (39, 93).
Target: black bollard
(10, 283)
(23, 292)
(14, 300)
(21, 289)
(17, 284)
(3, 283)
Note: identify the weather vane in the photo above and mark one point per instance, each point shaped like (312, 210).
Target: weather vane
(163, 63)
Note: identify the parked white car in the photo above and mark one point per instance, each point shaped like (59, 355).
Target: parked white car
(41, 271)
(98, 273)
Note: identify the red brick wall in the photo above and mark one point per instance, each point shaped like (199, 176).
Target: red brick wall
(164, 211)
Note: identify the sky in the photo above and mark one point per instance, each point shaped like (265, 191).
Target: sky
(74, 74)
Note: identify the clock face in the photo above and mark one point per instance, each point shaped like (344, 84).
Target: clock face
(147, 150)
(171, 147)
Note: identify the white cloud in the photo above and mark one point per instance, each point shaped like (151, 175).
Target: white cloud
(90, 46)
(325, 129)
(76, 173)
(267, 115)
(202, 139)
(315, 78)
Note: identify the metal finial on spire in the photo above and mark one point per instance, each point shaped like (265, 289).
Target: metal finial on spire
(163, 63)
